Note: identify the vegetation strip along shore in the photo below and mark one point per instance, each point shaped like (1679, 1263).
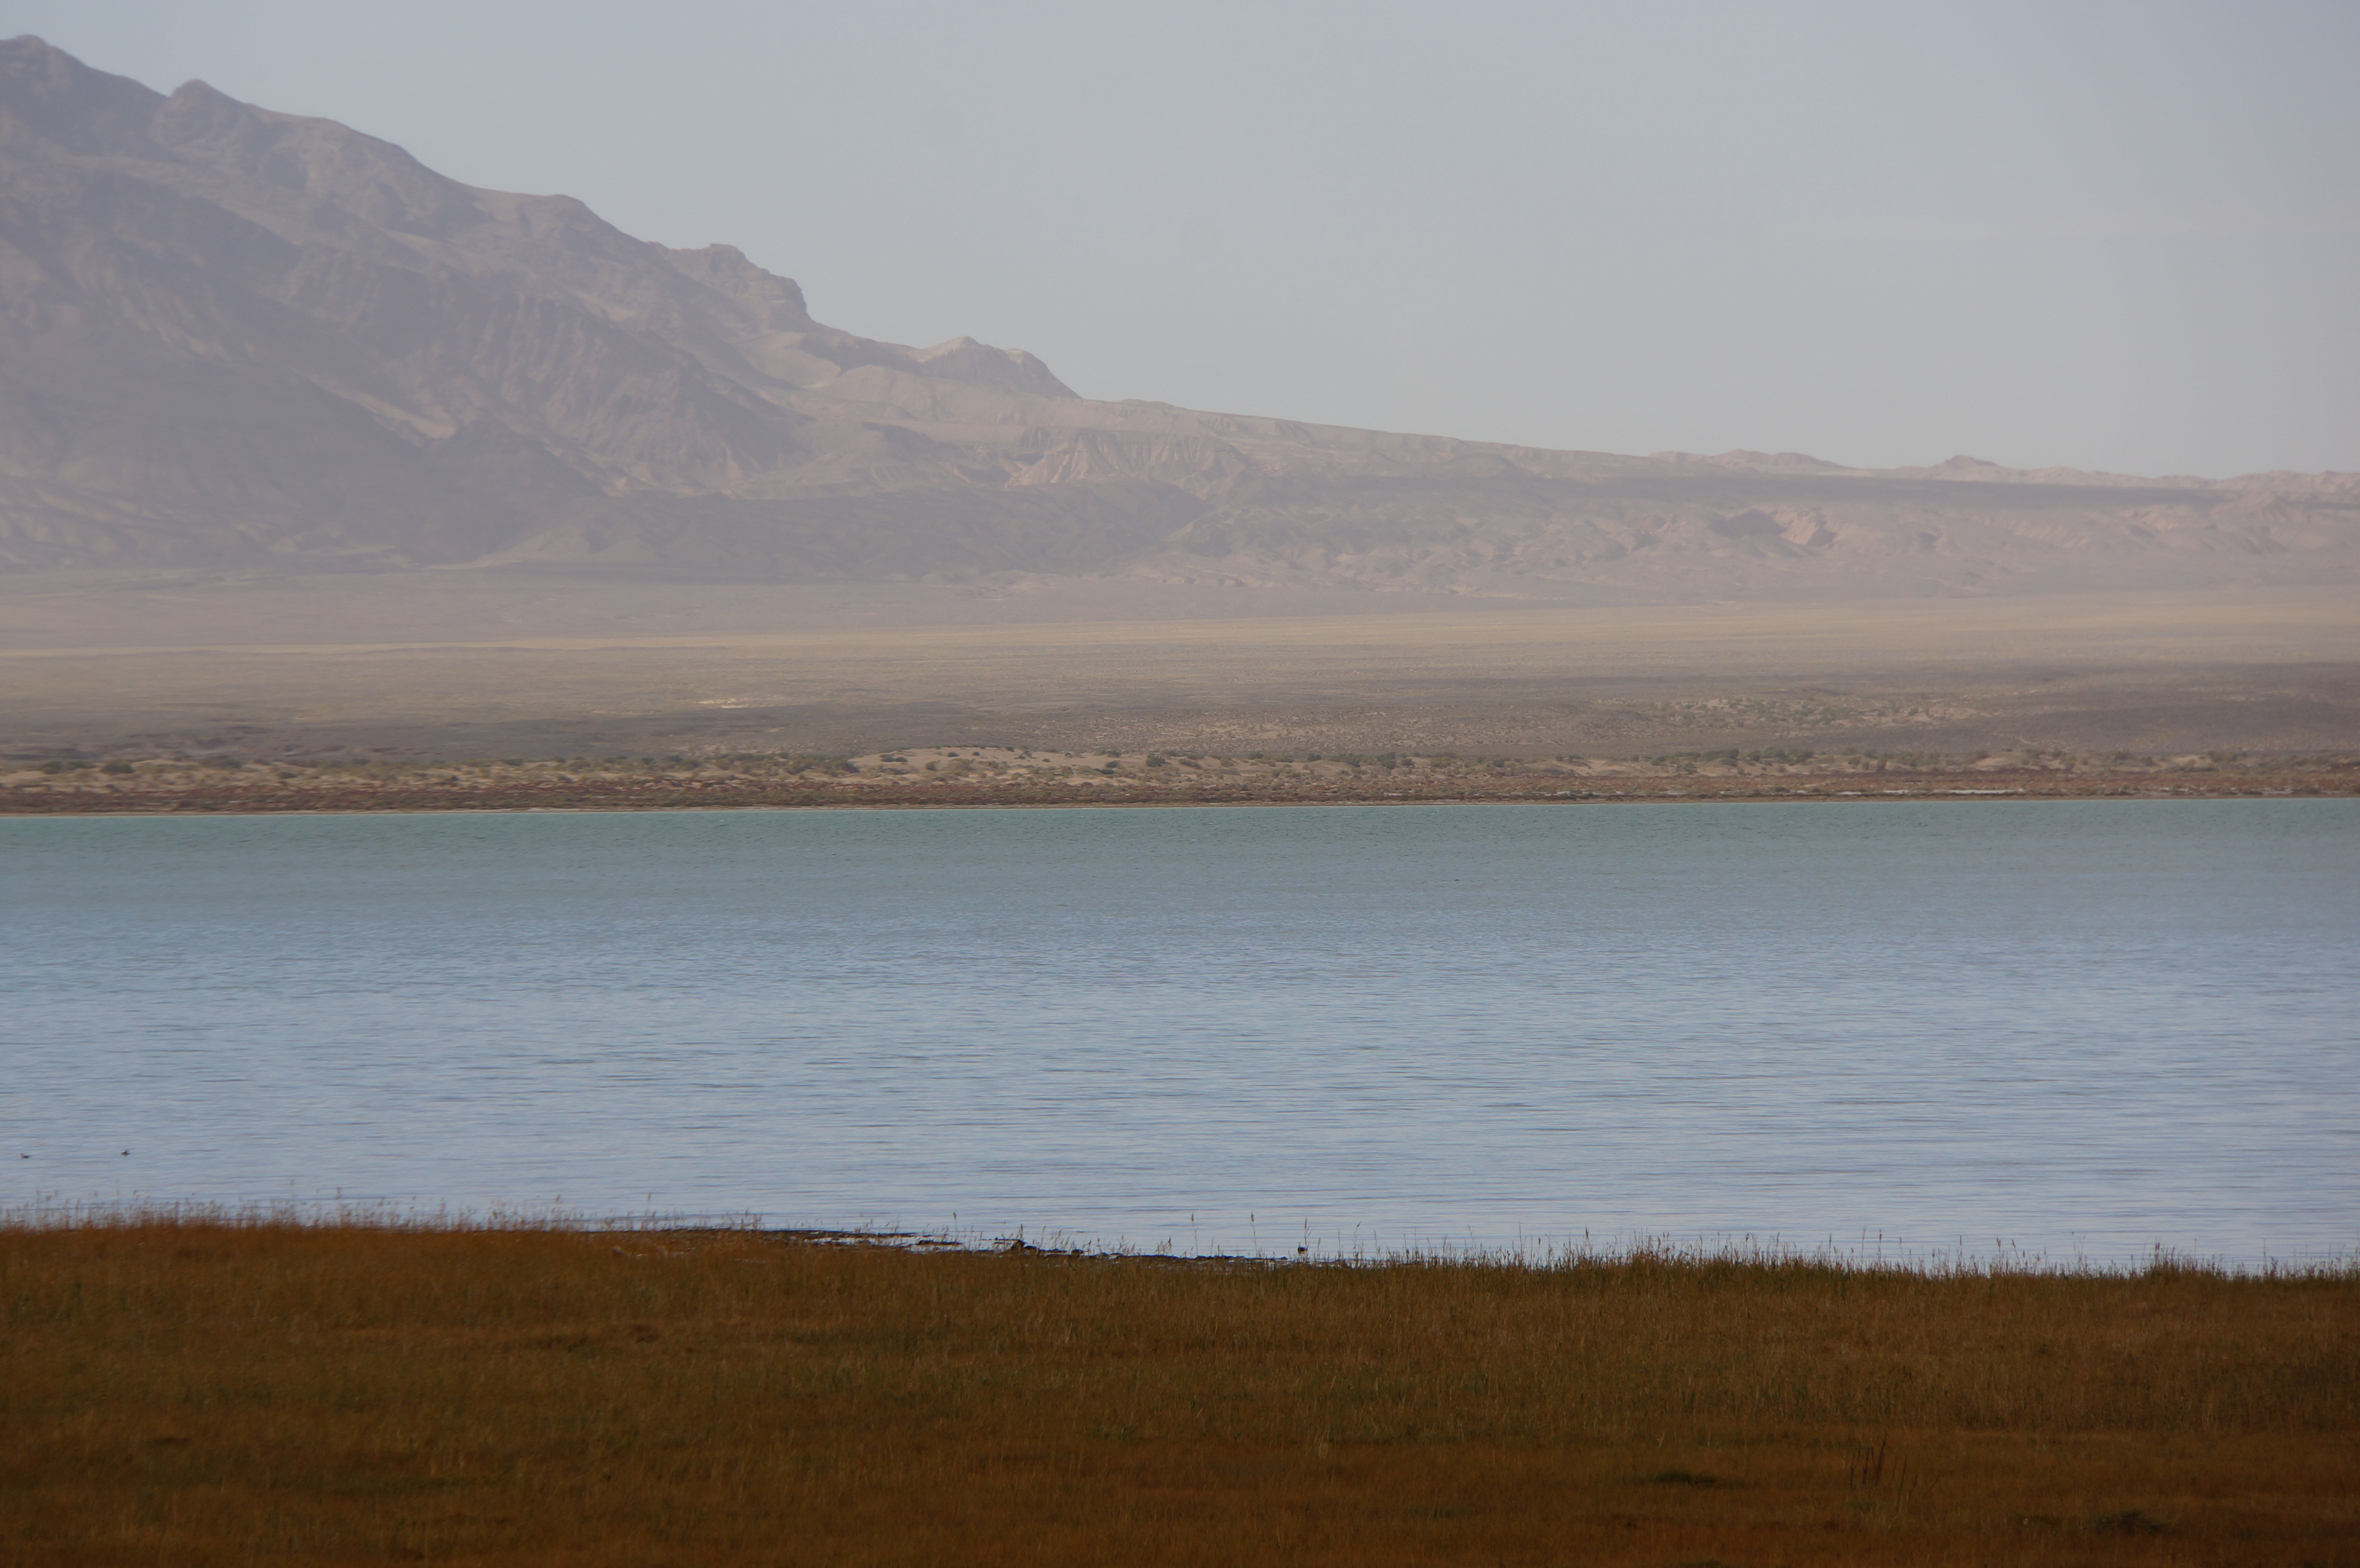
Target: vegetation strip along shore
(990, 776)
(198, 1392)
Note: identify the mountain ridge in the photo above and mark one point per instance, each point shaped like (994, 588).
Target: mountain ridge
(235, 339)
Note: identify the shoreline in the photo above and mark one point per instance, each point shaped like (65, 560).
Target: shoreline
(1667, 1251)
(339, 793)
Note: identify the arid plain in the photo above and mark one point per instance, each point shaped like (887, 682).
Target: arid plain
(399, 668)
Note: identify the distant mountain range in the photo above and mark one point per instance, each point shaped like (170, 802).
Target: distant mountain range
(231, 339)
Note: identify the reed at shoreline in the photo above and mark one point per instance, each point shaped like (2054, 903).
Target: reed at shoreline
(198, 1390)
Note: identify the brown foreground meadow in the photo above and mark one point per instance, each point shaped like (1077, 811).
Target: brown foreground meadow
(212, 1392)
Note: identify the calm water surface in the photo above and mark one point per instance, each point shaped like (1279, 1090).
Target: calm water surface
(2082, 1028)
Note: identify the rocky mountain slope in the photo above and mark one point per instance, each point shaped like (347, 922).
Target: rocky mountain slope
(235, 339)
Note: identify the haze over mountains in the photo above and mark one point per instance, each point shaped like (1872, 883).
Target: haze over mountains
(231, 339)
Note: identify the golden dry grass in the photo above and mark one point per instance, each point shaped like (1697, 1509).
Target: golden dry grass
(208, 1392)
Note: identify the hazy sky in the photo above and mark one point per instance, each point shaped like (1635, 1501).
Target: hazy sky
(2116, 236)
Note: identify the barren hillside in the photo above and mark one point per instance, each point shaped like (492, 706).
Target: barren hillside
(231, 339)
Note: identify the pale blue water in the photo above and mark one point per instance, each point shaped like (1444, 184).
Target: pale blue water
(2083, 1029)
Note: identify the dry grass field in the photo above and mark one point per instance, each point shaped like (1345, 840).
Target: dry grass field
(206, 1392)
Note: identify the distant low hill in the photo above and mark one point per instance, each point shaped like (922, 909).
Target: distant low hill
(231, 339)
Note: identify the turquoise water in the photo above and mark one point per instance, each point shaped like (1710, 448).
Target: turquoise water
(2077, 1028)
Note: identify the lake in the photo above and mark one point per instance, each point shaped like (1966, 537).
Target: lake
(2065, 1030)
